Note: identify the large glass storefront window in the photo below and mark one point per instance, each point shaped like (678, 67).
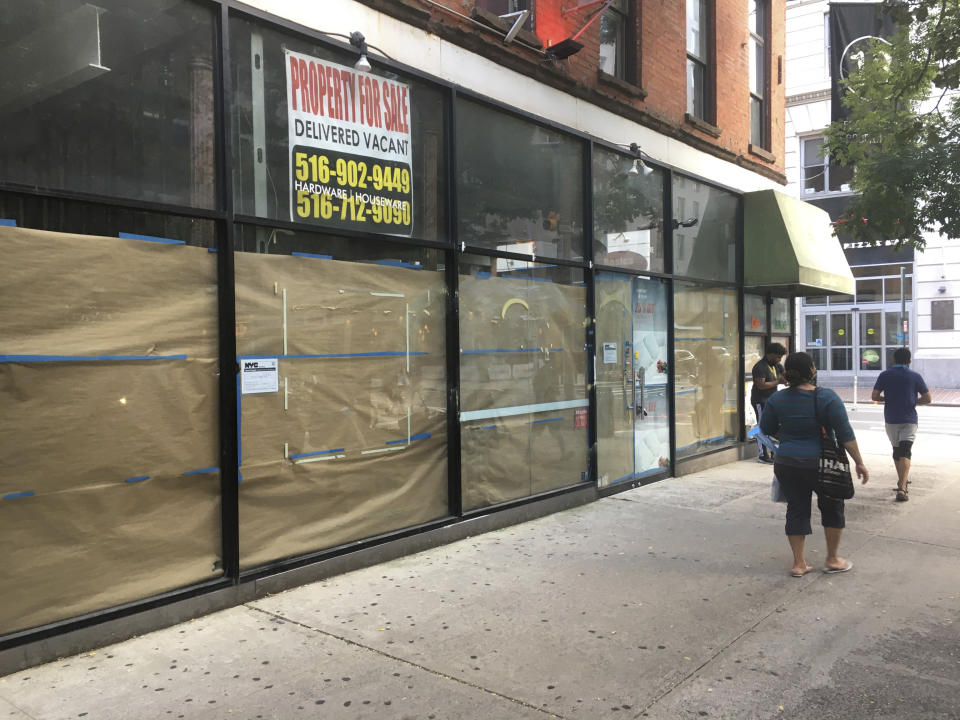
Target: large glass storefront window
(343, 420)
(704, 230)
(519, 184)
(706, 366)
(627, 213)
(523, 392)
(318, 142)
(109, 386)
(113, 98)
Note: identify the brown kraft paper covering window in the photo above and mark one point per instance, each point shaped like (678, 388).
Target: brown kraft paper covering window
(353, 444)
(96, 508)
(505, 458)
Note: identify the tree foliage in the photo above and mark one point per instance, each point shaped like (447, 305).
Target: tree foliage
(902, 133)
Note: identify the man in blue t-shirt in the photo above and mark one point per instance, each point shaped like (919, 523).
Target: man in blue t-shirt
(902, 390)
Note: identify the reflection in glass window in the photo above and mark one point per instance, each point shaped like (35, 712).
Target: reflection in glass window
(362, 163)
(780, 315)
(523, 379)
(894, 334)
(112, 98)
(706, 367)
(352, 441)
(754, 313)
(870, 290)
(615, 45)
(698, 29)
(519, 185)
(627, 214)
(758, 24)
(110, 408)
(709, 231)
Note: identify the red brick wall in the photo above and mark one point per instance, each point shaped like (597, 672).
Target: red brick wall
(661, 64)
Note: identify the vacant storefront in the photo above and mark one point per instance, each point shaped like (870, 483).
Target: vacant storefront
(261, 308)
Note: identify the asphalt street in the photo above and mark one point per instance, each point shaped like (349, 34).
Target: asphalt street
(670, 601)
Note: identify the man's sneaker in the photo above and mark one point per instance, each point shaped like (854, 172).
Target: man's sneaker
(764, 460)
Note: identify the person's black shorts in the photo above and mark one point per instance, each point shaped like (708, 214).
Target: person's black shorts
(798, 484)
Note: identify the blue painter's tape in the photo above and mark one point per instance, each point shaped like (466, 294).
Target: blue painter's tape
(8, 222)
(686, 392)
(335, 355)
(398, 263)
(483, 275)
(209, 250)
(203, 471)
(312, 255)
(239, 434)
(139, 478)
(239, 478)
(14, 495)
(625, 477)
(84, 358)
(318, 452)
(151, 238)
(412, 438)
(489, 427)
(546, 420)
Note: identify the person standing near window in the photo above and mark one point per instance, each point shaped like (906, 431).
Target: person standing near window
(901, 390)
(767, 377)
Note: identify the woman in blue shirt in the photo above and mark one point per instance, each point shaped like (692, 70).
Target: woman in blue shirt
(789, 415)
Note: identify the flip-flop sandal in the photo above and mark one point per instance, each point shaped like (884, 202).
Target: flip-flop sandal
(834, 571)
(793, 574)
(902, 495)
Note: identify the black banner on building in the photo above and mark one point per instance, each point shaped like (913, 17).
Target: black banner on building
(852, 26)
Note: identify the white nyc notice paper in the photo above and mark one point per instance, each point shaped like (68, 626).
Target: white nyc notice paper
(259, 375)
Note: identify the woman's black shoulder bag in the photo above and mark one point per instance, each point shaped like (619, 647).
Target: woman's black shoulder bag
(833, 471)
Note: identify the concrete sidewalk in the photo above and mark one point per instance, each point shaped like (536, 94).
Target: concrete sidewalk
(669, 601)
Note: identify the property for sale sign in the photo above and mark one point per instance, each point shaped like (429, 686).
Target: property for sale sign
(350, 147)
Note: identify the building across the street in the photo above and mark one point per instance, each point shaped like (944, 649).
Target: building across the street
(289, 288)
(902, 297)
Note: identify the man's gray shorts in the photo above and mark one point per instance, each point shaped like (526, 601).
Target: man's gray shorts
(901, 432)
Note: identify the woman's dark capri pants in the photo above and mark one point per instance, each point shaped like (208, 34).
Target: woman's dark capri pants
(797, 484)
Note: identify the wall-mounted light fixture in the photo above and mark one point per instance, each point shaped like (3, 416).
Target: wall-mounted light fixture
(360, 42)
(638, 166)
(521, 17)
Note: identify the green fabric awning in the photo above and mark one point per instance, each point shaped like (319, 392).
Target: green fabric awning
(790, 248)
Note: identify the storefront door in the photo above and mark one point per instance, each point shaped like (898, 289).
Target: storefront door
(632, 401)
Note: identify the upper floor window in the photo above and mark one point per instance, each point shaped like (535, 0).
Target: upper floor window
(818, 174)
(698, 66)
(617, 43)
(759, 106)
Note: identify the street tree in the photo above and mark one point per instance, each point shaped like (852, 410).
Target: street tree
(901, 134)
